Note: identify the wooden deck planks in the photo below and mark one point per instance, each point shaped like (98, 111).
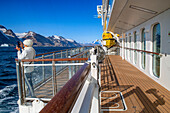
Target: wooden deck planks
(141, 93)
(124, 88)
(46, 90)
(144, 85)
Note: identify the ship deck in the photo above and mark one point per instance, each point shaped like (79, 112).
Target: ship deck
(46, 90)
(140, 92)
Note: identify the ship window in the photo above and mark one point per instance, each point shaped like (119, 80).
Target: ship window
(156, 48)
(130, 45)
(135, 46)
(143, 40)
(126, 49)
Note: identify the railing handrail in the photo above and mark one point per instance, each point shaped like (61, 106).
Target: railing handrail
(140, 50)
(54, 52)
(80, 54)
(60, 50)
(50, 52)
(65, 98)
(60, 59)
(76, 54)
(63, 64)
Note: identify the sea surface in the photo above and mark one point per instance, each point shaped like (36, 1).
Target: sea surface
(8, 77)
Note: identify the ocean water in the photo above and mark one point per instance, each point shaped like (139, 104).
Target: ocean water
(8, 77)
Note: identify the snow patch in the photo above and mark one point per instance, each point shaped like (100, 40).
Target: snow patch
(20, 35)
(31, 33)
(3, 30)
(9, 35)
(70, 40)
(56, 37)
(5, 35)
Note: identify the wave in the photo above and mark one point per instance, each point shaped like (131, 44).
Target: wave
(15, 111)
(8, 74)
(2, 83)
(6, 91)
(9, 101)
(4, 99)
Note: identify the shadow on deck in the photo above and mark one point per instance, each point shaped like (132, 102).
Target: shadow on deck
(141, 93)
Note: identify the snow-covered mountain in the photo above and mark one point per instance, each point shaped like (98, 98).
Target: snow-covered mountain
(7, 36)
(93, 43)
(61, 41)
(40, 40)
(3, 29)
(20, 35)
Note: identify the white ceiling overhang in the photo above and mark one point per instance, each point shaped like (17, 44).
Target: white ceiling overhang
(126, 14)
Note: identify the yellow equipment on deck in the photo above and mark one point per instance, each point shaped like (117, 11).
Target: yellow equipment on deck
(108, 39)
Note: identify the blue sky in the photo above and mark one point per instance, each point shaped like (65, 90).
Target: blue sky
(73, 19)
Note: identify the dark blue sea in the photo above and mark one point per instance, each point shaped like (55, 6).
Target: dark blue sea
(8, 77)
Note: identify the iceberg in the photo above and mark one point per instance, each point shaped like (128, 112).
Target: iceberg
(4, 45)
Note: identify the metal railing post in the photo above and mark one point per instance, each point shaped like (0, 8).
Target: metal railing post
(83, 50)
(61, 57)
(67, 53)
(61, 54)
(23, 79)
(54, 84)
(70, 72)
(53, 55)
(43, 69)
(54, 78)
(70, 52)
(78, 49)
(19, 81)
(75, 51)
(74, 68)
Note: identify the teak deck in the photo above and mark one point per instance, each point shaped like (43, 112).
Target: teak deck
(141, 93)
(46, 91)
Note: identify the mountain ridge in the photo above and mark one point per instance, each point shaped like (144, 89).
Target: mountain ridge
(7, 36)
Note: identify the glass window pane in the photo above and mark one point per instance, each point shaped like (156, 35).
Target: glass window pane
(143, 48)
(135, 47)
(156, 48)
(126, 49)
(130, 45)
